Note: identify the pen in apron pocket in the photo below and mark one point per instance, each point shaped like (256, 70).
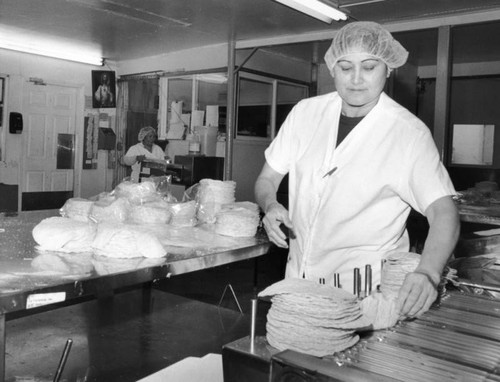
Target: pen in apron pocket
(330, 172)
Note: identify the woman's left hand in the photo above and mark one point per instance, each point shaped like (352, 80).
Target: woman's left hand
(276, 215)
(416, 295)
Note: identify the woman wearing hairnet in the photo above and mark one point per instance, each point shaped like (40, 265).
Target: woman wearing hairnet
(145, 149)
(357, 163)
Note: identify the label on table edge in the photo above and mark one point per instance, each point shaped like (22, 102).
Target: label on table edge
(41, 299)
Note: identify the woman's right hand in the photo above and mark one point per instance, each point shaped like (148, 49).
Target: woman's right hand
(276, 215)
(140, 158)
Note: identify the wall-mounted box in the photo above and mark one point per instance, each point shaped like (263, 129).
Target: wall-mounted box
(15, 123)
(106, 139)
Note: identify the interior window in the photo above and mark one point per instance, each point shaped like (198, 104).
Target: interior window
(264, 103)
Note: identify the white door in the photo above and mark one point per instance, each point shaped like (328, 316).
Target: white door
(49, 118)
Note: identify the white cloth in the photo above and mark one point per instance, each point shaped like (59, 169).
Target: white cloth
(356, 215)
(139, 149)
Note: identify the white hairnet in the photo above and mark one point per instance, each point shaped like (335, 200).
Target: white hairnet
(145, 131)
(366, 37)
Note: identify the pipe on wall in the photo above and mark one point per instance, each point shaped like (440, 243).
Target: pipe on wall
(230, 119)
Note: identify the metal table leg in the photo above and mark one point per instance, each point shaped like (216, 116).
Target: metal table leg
(255, 273)
(2, 347)
(147, 297)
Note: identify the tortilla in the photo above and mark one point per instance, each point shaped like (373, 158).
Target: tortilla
(306, 287)
(239, 219)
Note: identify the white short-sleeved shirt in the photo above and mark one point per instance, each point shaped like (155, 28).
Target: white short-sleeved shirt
(139, 149)
(387, 164)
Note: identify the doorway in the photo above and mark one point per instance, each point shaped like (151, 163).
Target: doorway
(49, 143)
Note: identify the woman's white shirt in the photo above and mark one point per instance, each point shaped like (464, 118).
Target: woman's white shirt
(355, 216)
(137, 150)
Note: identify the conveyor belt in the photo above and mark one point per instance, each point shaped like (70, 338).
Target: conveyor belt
(459, 340)
(456, 341)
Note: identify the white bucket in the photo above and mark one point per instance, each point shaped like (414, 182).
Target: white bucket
(208, 139)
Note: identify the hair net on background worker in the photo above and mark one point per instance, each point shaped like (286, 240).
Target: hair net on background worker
(145, 131)
(366, 37)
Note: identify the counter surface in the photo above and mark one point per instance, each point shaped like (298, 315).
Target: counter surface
(25, 270)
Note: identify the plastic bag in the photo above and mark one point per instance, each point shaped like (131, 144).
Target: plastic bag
(137, 193)
(150, 213)
(110, 209)
(76, 209)
(183, 214)
(210, 195)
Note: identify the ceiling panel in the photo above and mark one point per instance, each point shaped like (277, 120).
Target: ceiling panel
(127, 29)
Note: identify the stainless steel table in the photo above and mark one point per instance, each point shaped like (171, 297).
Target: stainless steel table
(24, 287)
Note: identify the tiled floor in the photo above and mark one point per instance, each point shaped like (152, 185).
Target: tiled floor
(114, 340)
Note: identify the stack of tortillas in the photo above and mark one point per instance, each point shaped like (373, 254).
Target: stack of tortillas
(150, 213)
(312, 318)
(183, 214)
(395, 268)
(239, 219)
(381, 308)
(382, 312)
(212, 194)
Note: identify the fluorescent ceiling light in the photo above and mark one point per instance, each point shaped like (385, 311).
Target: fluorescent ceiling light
(363, 2)
(214, 78)
(85, 59)
(23, 41)
(316, 9)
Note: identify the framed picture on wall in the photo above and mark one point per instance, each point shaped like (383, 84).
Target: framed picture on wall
(103, 89)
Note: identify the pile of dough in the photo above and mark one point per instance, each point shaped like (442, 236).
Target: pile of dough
(64, 234)
(126, 241)
(239, 219)
(211, 195)
(77, 209)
